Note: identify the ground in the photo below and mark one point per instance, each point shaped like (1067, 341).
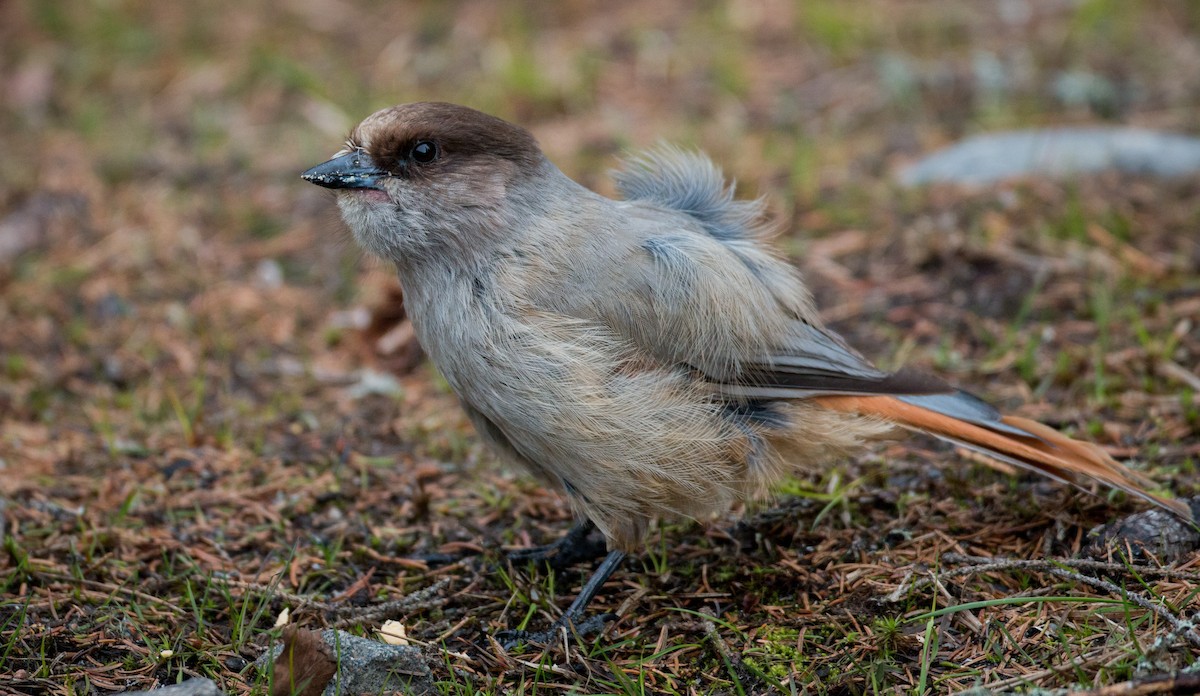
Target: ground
(196, 435)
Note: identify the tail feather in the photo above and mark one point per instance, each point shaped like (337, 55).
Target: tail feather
(1017, 441)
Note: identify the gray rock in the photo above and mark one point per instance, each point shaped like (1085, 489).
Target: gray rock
(1057, 152)
(990, 73)
(191, 687)
(367, 666)
(1082, 88)
(1150, 535)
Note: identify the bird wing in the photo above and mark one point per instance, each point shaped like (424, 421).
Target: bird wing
(700, 285)
(712, 293)
(741, 316)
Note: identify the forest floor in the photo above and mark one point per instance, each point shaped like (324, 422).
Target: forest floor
(210, 412)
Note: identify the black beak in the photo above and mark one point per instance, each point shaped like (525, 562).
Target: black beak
(349, 171)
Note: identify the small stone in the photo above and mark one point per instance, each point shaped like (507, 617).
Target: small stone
(367, 666)
(269, 274)
(1154, 534)
(1057, 152)
(372, 383)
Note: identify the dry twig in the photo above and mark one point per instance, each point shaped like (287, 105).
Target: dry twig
(981, 564)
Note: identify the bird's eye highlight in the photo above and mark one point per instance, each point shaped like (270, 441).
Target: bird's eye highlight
(424, 152)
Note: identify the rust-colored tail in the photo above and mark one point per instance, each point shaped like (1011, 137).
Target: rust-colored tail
(1017, 441)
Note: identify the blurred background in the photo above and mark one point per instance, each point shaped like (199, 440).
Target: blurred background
(191, 345)
(791, 95)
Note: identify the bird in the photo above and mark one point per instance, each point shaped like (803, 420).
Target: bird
(650, 356)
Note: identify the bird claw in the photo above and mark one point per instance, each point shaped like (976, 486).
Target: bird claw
(574, 547)
(512, 638)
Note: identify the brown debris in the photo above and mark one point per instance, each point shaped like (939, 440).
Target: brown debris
(42, 217)
(1158, 684)
(180, 457)
(304, 666)
(389, 334)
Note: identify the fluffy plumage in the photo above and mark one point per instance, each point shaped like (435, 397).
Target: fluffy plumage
(649, 356)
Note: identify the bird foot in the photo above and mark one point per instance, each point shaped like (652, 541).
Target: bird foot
(513, 638)
(576, 546)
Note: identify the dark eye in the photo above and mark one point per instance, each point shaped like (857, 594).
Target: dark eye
(424, 152)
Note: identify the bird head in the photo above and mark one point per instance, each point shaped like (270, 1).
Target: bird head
(416, 178)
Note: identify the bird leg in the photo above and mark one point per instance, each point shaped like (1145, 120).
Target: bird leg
(570, 620)
(574, 547)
